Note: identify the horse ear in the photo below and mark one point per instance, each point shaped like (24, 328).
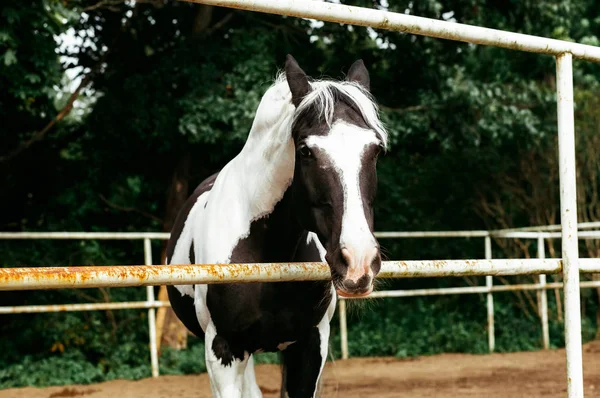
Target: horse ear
(297, 80)
(359, 73)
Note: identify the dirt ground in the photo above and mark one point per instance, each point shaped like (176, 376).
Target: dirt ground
(524, 374)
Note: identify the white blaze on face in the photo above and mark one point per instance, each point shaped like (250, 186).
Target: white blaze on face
(344, 146)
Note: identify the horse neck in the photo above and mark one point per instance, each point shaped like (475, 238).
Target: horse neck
(266, 162)
(283, 232)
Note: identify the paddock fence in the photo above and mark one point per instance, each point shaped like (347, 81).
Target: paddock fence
(440, 268)
(569, 265)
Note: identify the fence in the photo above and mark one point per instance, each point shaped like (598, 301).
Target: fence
(151, 304)
(522, 233)
(570, 265)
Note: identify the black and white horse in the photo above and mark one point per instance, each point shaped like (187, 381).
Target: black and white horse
(301, 189)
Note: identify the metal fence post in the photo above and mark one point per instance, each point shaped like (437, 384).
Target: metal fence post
(543, 296)
(343, 328)
(151, 312)
(568, 218)
(489, 282)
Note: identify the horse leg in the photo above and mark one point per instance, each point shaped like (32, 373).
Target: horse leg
(251, 389)
(226, 367)
(303, 363)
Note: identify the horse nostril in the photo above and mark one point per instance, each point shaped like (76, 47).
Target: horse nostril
(363, 283)
(346, 257)
(350, 285)
(376, 264)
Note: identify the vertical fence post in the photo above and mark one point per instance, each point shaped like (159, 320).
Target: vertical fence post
(151, 312)
(489, 282)
(543, 295)
(568, 219)
(343, 328)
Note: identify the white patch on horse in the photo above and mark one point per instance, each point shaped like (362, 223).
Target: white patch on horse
(181, 254)
(252, 183)
(226, 381)
(344, 146)
(251, 388)
(247, 188)
(312, 237)
(324, 329)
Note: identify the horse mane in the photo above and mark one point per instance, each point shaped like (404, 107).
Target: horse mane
(325, 94)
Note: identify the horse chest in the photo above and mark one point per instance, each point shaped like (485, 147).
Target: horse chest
(267, 317)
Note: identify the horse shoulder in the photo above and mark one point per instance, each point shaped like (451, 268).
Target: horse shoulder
(180, 250)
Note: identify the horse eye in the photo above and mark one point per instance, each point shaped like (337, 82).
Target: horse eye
(305, 151)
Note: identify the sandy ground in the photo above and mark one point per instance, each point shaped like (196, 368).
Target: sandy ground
(525, 374)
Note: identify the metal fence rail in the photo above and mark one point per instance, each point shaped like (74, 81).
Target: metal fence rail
(37, 278)
(55, 277)
(85, 277)
(381, 19)
(585, 265)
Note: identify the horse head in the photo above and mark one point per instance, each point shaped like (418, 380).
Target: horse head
(338, 136)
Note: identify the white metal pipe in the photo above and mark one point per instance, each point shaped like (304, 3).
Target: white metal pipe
(588, 235)
(448, 291)
(489, 282)
(543, 297)
(85, 235)
(589, 265)
(343, 329)
(32, 309)
(137, 275)
(550, 228)
(568, 212)
(523, 233)
(477, 234)
(587, 284)
(439, 268)
(381, 19)
(431, 234)
(151, 313)
(29, 309)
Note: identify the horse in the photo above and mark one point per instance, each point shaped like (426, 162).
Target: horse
(301, 189)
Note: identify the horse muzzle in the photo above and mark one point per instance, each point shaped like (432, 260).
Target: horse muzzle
(356, 271)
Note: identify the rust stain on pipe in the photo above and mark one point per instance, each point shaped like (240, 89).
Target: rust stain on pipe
(154, 275)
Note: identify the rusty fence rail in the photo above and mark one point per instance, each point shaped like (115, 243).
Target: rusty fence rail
(151, 275)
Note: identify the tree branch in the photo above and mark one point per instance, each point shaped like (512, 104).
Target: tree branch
(408, 109)
(109, 4)
(103, 4)
(129, 209)
(220, 24)
(60, 116)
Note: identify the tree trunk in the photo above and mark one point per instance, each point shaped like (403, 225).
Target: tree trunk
(202, 20)
(596, 277)
(169, 329)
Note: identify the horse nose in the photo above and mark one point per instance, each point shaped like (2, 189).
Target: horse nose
(359, 264)
(360, 285)
(360, 269)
